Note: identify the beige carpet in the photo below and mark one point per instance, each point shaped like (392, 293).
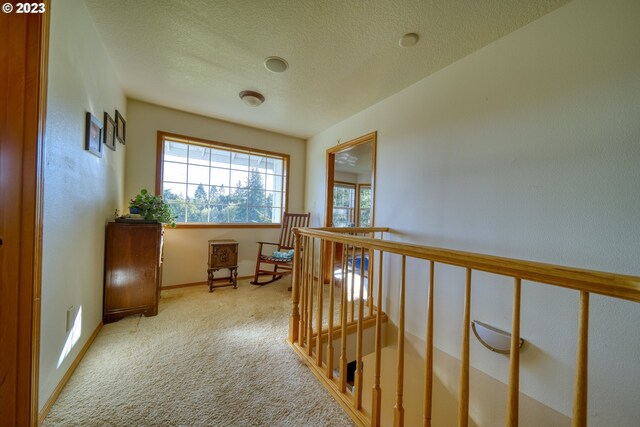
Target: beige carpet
(206, 359)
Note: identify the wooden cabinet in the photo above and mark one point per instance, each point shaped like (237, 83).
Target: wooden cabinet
(133, 269)
(222, 254)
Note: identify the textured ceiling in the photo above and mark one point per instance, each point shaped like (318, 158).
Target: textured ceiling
(357, 159)
(197, 55)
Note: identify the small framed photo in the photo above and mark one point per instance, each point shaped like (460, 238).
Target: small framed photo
(109, 132)
(121, 128)
(93, 135)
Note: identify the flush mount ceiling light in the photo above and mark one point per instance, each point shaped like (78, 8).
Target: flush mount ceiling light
(346, 159)
(251, 98)
(275, 64)
(408, 40)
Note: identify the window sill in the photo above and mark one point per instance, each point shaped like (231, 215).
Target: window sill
(207, 225)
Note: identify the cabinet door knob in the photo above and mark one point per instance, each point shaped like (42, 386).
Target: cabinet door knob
(1, 242)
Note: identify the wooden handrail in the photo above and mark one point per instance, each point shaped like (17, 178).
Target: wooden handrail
(352, 230)
(354, 242)
(603, 283)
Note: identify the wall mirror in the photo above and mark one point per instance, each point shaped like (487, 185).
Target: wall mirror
(351, 170)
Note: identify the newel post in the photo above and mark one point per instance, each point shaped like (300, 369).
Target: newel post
(294, 319)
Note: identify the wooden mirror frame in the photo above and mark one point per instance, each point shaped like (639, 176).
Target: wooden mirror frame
(331, 157)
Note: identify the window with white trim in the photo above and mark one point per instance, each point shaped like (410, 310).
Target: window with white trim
(364, 205)
(344, 204)
(206, 182)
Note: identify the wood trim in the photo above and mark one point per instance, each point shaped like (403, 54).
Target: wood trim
(159, 168)
(188, 285)
(352, 230)
(330, 170)
(371, 136)
(331, 153)
(23, 83)
(603, 283)
(202, 141)
(374, 162)
(183, 285)
(72, 368)
(216, 225)
(43, 48)
(286, 183)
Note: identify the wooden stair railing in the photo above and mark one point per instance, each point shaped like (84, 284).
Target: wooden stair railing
(360, 243)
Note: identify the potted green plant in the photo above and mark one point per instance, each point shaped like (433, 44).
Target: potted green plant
(152, 207)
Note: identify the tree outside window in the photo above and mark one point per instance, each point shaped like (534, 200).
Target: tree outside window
(210, 184)
(344, 201)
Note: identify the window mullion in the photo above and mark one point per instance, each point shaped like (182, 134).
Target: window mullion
(250, 197)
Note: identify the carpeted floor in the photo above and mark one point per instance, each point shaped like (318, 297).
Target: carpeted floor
(206, 359)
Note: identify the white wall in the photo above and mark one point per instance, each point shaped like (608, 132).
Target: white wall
(185, 250)
(352, 178)
(528, 148)
(81, 190)
(347, 177)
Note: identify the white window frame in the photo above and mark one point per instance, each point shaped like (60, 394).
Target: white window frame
(280, 204)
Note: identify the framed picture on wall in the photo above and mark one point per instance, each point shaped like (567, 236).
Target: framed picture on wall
(109, 132)
(93, 135)
(121, 128)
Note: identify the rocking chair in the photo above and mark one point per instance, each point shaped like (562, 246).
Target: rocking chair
(282, 258)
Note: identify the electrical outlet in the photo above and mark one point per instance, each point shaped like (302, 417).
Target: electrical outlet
(71, 311)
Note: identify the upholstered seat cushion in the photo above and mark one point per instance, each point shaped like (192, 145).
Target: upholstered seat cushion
(283, 255)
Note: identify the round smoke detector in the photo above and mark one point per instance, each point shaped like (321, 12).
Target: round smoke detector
(275, 64)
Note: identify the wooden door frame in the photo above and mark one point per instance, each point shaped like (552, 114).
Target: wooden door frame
(23, 79)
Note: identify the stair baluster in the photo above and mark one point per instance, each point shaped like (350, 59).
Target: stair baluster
(428, 362)
(514, 359)
(463, 402)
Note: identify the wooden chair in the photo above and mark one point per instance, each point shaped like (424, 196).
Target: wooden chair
(281, 266)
